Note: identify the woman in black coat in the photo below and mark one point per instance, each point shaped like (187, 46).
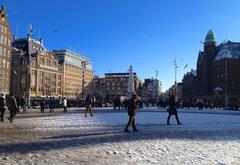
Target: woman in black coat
(172, 110)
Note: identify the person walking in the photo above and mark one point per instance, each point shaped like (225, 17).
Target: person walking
(42, 105)
(88, 104)
(64, 105)
(132, 108)
(2, 106)
(172, 110)
(51, 104)
(23, 104)
(12, 107)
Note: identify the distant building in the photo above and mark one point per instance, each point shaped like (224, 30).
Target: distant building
(24, 51)
(38, 72)
(117, 84)
(205, 66)
(189, 88)
(226, 74)
(77, 73)
(99, 87)
(151, 89)
(217, 77)
(5, 52)
(42, 78)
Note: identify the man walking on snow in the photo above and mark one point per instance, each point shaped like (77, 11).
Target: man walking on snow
(132, 108)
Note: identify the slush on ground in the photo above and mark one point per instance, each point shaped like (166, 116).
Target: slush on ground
(206, 137)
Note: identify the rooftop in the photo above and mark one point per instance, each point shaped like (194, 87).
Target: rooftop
(229, 50)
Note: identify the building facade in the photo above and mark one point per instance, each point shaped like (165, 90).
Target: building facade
(5, 52)
(42, 78)
(217, 77)
(151, 89)
(189, 87)
(117, 85)
(226, 75)
(205, 66)
(77, 74)
(99, 87)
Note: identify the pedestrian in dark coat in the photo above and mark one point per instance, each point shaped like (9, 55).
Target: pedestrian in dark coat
(51, 104)
(132, 108)
(172, 110)
(89, 104)
(42, 105)
(2, 107)
(23, 104)
(12, 107)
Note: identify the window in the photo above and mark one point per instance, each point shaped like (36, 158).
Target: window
(5, 40)
(2, 40)
(4, 63)
(9, 42)
(4, 51)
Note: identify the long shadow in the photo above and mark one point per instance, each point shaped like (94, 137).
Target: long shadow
(88, 140)
(59, 112)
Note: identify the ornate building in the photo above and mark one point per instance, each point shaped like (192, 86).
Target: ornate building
(42, 78)
(5, 52)
(205, 66)
(226, 74)
(217, 76)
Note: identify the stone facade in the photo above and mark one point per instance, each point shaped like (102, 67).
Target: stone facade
(151, 89)
(42, 79)
(115, 84)
(77, 74)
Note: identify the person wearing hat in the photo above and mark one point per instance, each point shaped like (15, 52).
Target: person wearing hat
(132, 108)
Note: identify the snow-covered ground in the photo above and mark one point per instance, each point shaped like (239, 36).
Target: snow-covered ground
(208, 137)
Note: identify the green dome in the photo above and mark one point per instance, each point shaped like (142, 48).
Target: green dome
(210, 37)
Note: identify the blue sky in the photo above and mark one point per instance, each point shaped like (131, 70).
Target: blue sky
(148, 34)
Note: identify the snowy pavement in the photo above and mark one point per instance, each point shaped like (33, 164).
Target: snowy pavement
(209, 137)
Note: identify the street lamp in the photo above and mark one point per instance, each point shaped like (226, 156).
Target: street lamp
(226, 92)
(175, 66)
(225, 79)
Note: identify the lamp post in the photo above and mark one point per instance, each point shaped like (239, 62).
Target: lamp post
(175, 67)
(226, 92)
(225, 78)
(84, 64)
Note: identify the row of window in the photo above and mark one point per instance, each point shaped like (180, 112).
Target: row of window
(48, 62)
(4, 89)
(113, 88)
(5, 52)
(4, 63)
(47, 90)
(3, 29)
(3, 74)
(5, 41)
